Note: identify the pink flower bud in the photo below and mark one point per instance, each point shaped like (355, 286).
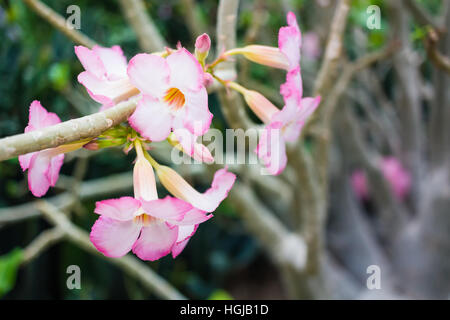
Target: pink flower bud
(203, 43)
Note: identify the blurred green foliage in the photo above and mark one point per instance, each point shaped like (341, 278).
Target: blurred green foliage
(9, 264)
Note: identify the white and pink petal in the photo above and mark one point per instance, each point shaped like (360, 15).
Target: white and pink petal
(152, 119)
(150, 74)
(156, 241)
(121, 209)
(114, 238)
(186, 73)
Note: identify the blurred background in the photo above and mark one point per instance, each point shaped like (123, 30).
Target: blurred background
(387, 191)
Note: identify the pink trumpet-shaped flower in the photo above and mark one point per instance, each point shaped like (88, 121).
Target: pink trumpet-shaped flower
(286, 56)
(43, 166)
(209, 200)
(285, 125)
(174, 95)
(105, 78)
(150, 227)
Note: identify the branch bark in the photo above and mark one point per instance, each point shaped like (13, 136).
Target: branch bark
(148, 35)
(59, 23)
(65, 132)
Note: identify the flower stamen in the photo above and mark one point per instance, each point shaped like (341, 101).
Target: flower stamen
(143, 219)
(175, 98)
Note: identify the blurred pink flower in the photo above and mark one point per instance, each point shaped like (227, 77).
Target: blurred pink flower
(398, 177)
(174, 96)
(393, 171)
(150, 227)
(105, 78)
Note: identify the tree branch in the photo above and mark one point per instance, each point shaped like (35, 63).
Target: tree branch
(113, 184)
(65, 132)
(148, 35)
(46, 239)
(59, 23)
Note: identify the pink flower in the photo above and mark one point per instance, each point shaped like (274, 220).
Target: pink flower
(43, 166)
(150, 227)
(286, 124)
(43, 170)
(286, 56)
(174, 95)
(398, 177)
(209, 200)
(105, 78)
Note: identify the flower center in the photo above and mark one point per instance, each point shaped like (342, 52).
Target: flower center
(175, 98)
(144, 219)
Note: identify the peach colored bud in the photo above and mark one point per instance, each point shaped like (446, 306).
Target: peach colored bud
(144, 182)
(260, 105)
(269, 56)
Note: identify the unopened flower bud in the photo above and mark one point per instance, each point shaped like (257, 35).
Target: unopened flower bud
(202, 46)
(269, 56)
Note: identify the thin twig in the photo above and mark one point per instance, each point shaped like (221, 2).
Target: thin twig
(110, 185)
(59, 23)
(43, 241)
(232, 104)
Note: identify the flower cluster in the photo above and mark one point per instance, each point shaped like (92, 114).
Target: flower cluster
(172, 106)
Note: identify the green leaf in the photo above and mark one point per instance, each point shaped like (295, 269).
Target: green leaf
(220, 294)
(9, 263)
